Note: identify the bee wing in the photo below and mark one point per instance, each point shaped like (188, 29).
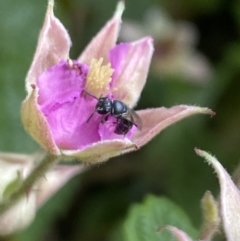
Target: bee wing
(132, 116)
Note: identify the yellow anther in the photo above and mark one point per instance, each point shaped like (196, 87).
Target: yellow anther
(98, 78)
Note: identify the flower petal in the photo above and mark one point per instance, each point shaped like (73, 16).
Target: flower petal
(155, 120)
(54, 180)
(64, 106)
(19, 216)
(105, 39)
(53, 45)
(177, 233)
(16, 158)
(23, 212)
(229, 198)
(131, 62)
(60, 84)
(102, 151)
(36, 124)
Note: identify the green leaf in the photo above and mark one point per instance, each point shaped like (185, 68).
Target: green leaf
(12, 186)
(144, 220)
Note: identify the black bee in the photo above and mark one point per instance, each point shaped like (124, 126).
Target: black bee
(125, 117)
(123, 126)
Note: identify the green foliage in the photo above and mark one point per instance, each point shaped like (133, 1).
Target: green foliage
(145, 219)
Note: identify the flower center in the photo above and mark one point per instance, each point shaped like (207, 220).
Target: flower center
(98, 78)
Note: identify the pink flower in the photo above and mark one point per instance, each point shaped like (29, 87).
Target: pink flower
(56, 109)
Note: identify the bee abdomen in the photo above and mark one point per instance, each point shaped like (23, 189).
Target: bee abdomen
(123, 126)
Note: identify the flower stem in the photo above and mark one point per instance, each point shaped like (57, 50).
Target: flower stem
(47, 163)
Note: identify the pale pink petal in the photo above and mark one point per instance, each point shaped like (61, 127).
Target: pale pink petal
(16, 158)
(23, 212)
(131, 63)
(229, 198)
(177, 233)
(101, 151)
(53, 45)
(54, 180)
(155, 120)
(36, 124)
(20, 216)
(105, 39)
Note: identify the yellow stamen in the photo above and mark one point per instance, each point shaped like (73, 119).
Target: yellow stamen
(98, 78)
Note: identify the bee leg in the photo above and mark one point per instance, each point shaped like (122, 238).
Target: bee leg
(104, 118)
(86, 92)
(136, 147)
(89, 118)
(133, 146)
(117, 121)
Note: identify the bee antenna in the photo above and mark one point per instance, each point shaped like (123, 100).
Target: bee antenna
(89, 118)
(90, 94)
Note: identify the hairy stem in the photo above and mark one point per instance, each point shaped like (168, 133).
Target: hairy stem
(39, 172)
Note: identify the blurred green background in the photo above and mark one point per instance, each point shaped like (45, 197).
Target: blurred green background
(94, 205)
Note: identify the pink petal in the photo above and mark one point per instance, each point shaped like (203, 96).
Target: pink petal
(16, 158)
(101, 151)
(20, 216)
(65, 107)
(155, 120)
(54, 180)
(36, 124)
(60, 84)
(23, 212)
(229, 198)
(105, 39)
(131, 63)
(53, 45)
(69, 125)
(177, 233)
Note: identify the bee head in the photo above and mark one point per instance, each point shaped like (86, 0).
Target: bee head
(104, 105)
